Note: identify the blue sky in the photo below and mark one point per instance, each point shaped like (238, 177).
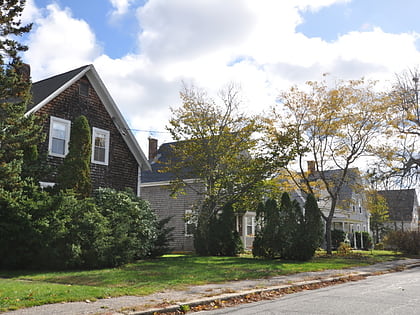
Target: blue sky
(394, 16)
(145, 49)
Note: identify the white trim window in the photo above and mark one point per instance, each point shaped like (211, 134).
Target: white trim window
(189, 223)
(58, 144)
(250, 226)
(100, 146)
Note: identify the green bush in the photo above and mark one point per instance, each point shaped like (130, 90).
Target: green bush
(344, 249)
(223, 239)
(74, 233)
(74, 173)
(267, 241)
(132, 226)
(287, 233)
(337, 237)
(22, 214)
(367, 241)
(311, 232)
(164, 237)
(39, 230)
(407, 242)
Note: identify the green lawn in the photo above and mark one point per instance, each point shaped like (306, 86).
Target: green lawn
(28, 288)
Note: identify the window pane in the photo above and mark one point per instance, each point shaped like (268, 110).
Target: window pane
(99, 154)
(190, 227)
(100, 141)
(58, 146)
(100, 146)
(59, 130)
(249, 226)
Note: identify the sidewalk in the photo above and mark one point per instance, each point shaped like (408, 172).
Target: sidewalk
(205, 294)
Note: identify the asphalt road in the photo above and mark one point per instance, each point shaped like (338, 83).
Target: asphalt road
(394, 293)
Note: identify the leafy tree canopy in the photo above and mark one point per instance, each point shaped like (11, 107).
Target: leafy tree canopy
(334, 126)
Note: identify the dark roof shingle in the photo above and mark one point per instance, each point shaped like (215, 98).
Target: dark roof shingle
(44, 88)
(400, 203)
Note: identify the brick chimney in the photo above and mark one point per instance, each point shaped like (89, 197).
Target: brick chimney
(153, 146)
(311, 167)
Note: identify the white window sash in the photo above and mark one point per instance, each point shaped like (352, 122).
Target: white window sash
(66, 137)
(96, 133)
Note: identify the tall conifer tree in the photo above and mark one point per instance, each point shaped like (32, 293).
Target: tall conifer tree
(75, 170)
(17, 132)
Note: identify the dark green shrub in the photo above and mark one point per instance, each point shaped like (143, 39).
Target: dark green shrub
(164, 237)
(22, 215)
(131, 224)
(267, 242)
(287, 233)
(337, 237)
(216, 235)
(311, 231)
(291, 228)
(74, 173)
(74, 234)
(363, 241)
(224, 239)
(407, 242)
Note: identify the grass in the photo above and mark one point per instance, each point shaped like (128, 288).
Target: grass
(20, 289)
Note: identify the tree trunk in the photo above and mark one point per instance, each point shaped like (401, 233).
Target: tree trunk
(328, 235)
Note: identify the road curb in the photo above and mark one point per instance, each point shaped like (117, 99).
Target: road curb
(281, 289)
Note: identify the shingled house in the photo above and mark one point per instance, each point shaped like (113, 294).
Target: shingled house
(117, 159)
(403, 208)
(155, 188)
(351, 214)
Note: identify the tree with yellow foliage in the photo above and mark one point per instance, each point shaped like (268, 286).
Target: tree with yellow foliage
(219, 146)
(378, 208)
(334, 126)
(400, 165)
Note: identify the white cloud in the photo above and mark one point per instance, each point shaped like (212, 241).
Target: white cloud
(184, 29)
(210, 43)
(59, 42)
(121, 7)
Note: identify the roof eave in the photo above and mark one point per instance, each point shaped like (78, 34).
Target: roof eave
(110, 106)
(118, 119)
(57, 92)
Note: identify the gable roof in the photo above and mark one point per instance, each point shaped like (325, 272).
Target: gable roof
(353, 183)
(156, 174)
(46, 90)
(401, 203)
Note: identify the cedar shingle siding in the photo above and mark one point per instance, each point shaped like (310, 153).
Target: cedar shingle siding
(166, 206)
(122, 169)
(403, 208)
(155, 188)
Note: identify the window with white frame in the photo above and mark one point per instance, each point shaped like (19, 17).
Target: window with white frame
(100, 146)
(58, 144)
(189, 223)
(250, 225)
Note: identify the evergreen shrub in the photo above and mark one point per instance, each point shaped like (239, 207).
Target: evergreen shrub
(217, 235)
(337, 237)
